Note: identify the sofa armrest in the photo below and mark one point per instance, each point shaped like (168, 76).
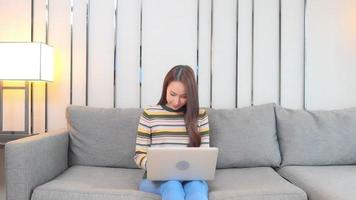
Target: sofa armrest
(32, 161)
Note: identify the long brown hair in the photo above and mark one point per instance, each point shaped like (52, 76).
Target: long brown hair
(185, 75)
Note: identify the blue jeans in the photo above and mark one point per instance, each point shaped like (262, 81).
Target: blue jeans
(176, 190)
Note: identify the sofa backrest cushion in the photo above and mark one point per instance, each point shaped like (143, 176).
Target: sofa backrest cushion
(102, 136)
(317, 137)
(246, 137)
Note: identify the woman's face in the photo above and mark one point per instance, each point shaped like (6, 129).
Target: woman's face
(176, 95)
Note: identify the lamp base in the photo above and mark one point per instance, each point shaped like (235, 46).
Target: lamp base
(26, 89)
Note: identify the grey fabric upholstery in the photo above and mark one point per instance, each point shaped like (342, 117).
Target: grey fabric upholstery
(102, 136)
(32, 161)
(252, 184)
(83, 182)
(94, 183)
(246, 137)
(318, 137)
(323, 182)
(100, 145)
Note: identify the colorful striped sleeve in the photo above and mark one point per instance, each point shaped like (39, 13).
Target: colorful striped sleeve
(204, 128)
(143, 140)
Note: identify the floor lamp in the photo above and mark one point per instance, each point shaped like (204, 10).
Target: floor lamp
(23, 61)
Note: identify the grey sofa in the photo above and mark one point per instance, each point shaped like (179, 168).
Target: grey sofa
(265, 153)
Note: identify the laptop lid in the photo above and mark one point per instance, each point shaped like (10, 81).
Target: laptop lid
(191, 163)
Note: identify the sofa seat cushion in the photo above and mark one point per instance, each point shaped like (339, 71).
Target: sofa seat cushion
(323, 182)
(84, 182)
(261, 183)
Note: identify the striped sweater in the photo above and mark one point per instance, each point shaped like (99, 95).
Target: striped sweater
(161, 126)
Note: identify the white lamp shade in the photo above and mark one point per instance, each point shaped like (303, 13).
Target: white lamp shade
(26, 61)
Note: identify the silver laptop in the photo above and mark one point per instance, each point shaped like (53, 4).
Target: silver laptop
(189, 163)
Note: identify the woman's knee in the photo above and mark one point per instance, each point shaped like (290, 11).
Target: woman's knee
(196, 190)
(197, 186)
(172, 190)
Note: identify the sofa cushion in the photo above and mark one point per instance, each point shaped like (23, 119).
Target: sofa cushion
(261, 183)
(323, 182)
(92, 183)
(246, 137)
(317, 137)
(102, 136)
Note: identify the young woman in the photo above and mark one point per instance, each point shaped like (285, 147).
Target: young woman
(176, 121)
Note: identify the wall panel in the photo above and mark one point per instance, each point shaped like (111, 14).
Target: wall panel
(101, 53)
(14, 27)
(330, 56)
(266, 50)
(38, 88)
(204, 52)
(292, 65)
(128, 54)
(59, 38)
(79, 37)
(224, 54)
(39, 21)
(168, 39)
(245, 53)
(38, 107)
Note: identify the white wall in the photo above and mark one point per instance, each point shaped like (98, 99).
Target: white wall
(11, 30)
(243, 52)
(331, 50)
